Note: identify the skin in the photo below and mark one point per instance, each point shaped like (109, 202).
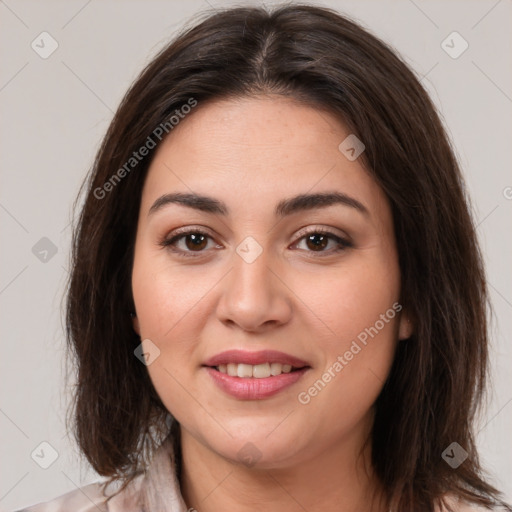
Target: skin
(251, 153)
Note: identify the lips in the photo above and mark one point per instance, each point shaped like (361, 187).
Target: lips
(254, 375)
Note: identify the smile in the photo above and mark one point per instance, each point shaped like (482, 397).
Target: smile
(254, 375)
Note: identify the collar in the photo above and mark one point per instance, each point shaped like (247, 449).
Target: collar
(157, 489)
(160, 487)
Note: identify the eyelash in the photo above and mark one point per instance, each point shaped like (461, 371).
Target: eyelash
(168, 243)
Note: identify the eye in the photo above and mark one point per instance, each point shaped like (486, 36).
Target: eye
(185, 243)
(318, 240)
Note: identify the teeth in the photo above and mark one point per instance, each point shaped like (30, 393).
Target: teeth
(260, 371)
(257, 371)
(276, 368)
(244, 370)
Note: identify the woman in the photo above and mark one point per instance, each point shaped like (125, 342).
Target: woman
(277, 298)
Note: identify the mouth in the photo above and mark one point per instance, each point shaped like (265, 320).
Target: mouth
(254, 375)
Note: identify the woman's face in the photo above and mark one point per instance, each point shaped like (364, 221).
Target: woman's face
(267, 277)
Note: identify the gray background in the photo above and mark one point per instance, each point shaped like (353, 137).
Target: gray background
(54, 114)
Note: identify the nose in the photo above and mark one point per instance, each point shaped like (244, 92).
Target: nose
(254, 297)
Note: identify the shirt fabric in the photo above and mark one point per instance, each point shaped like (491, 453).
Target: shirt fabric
(157, 490)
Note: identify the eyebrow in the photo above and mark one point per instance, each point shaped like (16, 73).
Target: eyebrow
(299, 203)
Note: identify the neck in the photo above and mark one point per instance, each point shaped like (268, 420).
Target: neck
(339, 478)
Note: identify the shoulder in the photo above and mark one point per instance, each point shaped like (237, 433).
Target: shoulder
(84, 499)
(93, 498)
(155, 489)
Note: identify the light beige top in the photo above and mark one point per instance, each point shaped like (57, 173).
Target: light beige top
(157, 490)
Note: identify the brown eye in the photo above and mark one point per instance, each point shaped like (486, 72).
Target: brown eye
(317, 241)
(195, 241)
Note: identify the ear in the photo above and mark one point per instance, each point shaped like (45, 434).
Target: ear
(135, 323)
(405, 326)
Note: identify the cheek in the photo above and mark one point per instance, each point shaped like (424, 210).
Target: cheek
(173, 305)
(171, 314)
(359, 310)
(165, 293)
(352, 299)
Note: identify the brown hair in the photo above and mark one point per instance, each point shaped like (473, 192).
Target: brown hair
(316, 55)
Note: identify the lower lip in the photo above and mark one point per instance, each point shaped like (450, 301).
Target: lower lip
(254, 389)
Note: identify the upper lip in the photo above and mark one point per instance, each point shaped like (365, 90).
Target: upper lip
(253, 358)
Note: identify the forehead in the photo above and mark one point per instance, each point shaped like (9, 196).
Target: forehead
(241, 127)
(257, 150)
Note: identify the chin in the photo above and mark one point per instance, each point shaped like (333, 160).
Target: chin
(258, 450)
